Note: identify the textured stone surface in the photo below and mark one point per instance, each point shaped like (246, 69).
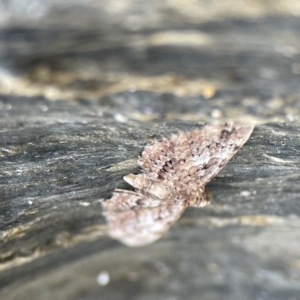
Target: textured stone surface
(85, 86)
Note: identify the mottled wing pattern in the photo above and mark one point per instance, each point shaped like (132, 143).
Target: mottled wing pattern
(202, 152)
(184, 163)
(175, 171)
(138, 220)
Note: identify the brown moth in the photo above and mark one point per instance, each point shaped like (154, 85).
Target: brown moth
(175, 171)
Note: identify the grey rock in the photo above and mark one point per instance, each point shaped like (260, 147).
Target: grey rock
(84, 87)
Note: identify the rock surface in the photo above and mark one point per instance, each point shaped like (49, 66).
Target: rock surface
(84, 86)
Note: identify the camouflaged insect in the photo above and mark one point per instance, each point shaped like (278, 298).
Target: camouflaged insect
(175, 171)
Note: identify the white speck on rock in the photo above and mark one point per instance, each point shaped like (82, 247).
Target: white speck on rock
(120, 118)
(103, 278)
(216, 113)
(245, 193)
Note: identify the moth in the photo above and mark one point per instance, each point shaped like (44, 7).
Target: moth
(175, 171)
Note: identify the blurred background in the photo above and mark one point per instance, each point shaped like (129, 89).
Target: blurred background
(236, 52)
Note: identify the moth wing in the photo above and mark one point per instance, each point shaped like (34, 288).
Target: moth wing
(137, 220)
(194, 156)
(217, 145)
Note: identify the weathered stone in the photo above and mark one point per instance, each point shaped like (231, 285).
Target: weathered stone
(82, 94)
